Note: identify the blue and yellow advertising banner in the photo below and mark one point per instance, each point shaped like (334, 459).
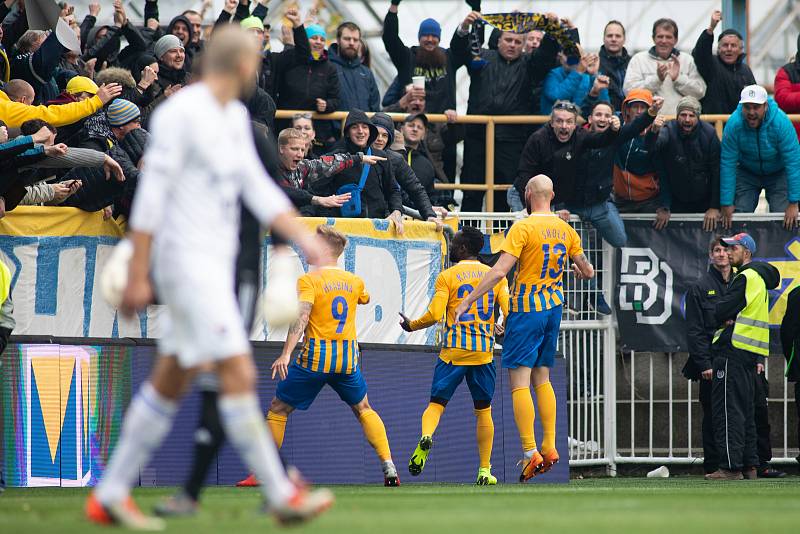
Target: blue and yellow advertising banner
(56, 254)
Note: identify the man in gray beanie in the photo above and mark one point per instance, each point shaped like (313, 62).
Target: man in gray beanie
(688, 150)
(172, 67)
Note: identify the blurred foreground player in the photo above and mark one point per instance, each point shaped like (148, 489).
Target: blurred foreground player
(541, 244)
(193, 236)
(330, 354)
(468, 350)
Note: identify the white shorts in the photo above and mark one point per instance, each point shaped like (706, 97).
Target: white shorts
(202, 322)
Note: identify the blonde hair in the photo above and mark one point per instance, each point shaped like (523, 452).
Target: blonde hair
(335, 239)
(288, 134)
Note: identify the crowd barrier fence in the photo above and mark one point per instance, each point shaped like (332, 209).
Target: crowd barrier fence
(490, 121)
(628, 407)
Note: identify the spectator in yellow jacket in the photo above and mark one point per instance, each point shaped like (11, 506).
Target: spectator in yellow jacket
(16, 108)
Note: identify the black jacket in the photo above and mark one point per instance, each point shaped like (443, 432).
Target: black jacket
(701, 325)
(725, 82)
(596, 166)
(545, 154)
(690, 165)
(107, 49)
(615, 68)
(729, 306)
(414, 194)
(305, 79)
(381, 194)
(790, 334)
(503, 87)
(440, 82)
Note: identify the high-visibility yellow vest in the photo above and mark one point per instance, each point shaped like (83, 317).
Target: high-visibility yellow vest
(5, 282)
(751, 328)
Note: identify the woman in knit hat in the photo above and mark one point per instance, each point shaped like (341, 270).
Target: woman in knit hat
(311, 82)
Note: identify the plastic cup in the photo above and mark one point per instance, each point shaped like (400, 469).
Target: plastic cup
(418, 82)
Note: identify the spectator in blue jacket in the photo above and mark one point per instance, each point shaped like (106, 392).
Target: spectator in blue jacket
(759, 151)
(357, 86)
(571, 81)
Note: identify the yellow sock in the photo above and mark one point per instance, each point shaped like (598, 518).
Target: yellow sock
(277, 425)
(546, 402)
(484, 431)
(524, 416)
(375, 433)
(430, 418)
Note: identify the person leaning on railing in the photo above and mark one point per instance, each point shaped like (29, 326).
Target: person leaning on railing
(688, 151)
(759, 151)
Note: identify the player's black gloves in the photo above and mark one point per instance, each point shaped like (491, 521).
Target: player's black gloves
(405, 323)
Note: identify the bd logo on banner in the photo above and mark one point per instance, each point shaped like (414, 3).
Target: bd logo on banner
(645, 285)
(658, 268)
(57, 398)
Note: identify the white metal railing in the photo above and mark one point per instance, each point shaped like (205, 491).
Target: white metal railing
(657, 409)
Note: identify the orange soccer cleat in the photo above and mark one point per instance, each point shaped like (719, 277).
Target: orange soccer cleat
(250, 482)
(124, 514)
(550, 459)
(530, 466)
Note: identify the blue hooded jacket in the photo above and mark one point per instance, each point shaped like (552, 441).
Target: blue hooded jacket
(357, 86)
(563, 84)
(770, 149)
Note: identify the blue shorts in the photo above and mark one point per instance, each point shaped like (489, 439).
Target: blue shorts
(301, 386)
(480, 380)
(531, 338)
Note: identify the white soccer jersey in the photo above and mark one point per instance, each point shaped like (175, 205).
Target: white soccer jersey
(200, 162)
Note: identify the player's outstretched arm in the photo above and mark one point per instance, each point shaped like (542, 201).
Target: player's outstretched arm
(490, 279)
(436, 309)
(281, 365)
(582, 268)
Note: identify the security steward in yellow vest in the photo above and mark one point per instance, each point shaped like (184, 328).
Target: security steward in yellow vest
(738, 349)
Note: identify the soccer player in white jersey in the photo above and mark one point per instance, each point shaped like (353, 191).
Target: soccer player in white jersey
(200, 163)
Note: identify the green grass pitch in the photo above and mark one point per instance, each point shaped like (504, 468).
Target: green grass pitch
(675, 506)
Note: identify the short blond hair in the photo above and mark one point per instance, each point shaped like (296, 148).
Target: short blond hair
(288, 134)
(335, 239)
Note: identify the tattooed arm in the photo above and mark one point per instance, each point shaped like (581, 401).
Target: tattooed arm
(582, 268)
(281, 365)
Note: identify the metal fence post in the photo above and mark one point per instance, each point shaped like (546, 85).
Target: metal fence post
(490, 166)
(609, 367)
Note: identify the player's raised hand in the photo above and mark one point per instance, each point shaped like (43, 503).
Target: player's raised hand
(137, 296)
(405, 322)
(281, 366)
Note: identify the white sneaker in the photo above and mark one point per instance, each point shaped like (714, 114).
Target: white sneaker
(303, 506)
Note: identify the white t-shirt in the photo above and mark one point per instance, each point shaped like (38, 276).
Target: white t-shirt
(199, 164)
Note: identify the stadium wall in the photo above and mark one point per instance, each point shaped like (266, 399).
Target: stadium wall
(63, 405)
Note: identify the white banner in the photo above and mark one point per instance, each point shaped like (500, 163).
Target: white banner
(55, 283)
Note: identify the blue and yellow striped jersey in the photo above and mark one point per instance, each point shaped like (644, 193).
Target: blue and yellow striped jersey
(542, 243)
(471, 342)
(330, 344)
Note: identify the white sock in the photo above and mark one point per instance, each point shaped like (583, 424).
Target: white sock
(146, 424)
(245, 429)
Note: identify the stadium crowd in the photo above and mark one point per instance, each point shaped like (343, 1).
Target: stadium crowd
(70, 110)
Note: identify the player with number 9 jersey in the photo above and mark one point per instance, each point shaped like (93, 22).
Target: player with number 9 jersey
(330, 355)
(330, 344)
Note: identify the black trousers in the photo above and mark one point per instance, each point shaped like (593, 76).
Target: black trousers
(732, 394)
(506, 165)
(711, 458)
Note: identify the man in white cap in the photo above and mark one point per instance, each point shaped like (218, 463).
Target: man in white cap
(759, 151)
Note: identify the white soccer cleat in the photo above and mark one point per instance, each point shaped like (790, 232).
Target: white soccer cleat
(279, 301)
(114, 276)
(303, 506)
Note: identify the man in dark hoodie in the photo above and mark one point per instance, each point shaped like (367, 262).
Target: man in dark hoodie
(725, 74)
(739, 348)
(414, 194)
(380, 195)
